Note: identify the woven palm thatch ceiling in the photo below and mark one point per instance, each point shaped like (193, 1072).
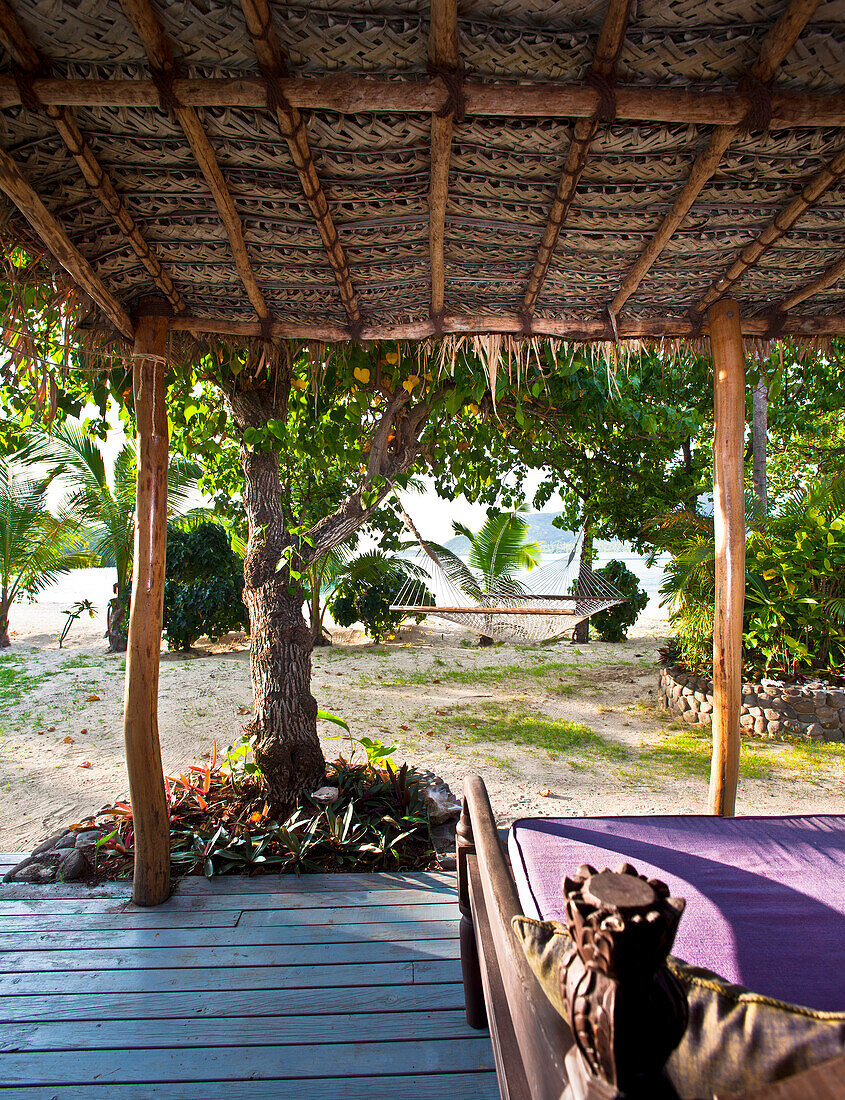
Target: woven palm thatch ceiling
(360, 168)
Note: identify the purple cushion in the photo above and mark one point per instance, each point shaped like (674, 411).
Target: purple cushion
(765, 895)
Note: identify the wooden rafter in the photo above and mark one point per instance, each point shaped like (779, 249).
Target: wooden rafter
(403, 95)
(828, 278)
(273, 67)
(575, 328)
(57, 242)
(162, 63)
(444, 56)
(603, 67)
(96, 177)
(780, 224)
(777, 44)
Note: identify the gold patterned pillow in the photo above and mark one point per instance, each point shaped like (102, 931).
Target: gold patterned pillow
(736, 1039)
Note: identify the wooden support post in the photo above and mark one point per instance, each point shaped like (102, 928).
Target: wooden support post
(729, 528)
(140, 722)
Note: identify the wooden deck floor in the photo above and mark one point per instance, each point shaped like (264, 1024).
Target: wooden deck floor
(341, 986)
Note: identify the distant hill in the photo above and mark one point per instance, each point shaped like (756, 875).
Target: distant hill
(540, 529)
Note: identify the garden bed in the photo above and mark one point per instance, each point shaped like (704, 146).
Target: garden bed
(366, 817)
(813, 710)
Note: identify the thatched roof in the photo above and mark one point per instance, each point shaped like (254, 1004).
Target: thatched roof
(437, 163)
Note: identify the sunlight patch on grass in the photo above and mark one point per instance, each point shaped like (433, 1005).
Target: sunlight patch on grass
(518, 726)
(815, 759)
(688, 755)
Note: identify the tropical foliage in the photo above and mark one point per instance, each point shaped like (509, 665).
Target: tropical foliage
(612, 625)
(221, 822)
(36, 547)
(795, 583)
(203, 585)
(367, 587)
(105, 510)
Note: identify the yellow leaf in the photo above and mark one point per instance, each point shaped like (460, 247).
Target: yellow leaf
(300, 384)
(410, 383)
(391, 357)
(362, 374)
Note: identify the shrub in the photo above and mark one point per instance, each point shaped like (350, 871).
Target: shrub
(612, 625)
(368, 588)
(794, 619)
(203, 585)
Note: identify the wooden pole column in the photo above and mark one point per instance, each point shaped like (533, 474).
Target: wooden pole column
(729, 529)
(140, 723)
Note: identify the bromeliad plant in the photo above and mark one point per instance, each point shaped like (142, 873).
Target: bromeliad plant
(221, 823)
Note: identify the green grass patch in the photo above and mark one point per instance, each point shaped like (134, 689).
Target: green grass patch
(687, 755)
(493, 724)
(486, 675)
(815, 759)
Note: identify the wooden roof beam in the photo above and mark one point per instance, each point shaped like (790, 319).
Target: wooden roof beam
(603, 68)
(776, 45)
(780, 224)
(572, 328)
(828, 278)
(444, 59)
(96, 177)
(143, 18)
(273, 67)
(57, 242)
(348, 94)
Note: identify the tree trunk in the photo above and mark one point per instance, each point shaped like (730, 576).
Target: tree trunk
(315, 611)
(284, 722)
(759, 437)
(581, 633)
(5, 640)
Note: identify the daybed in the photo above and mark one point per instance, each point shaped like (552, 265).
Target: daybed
(765, 908)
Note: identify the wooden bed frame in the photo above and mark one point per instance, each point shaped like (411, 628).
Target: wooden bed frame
(535, 1052)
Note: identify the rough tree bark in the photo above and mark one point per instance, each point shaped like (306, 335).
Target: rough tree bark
(759, 440)
(284, 722)
(5, 640)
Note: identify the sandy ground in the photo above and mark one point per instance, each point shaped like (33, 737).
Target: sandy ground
(445, 703)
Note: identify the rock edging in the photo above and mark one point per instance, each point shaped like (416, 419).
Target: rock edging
(814, 711)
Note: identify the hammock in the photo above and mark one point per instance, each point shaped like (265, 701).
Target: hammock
(551, 608)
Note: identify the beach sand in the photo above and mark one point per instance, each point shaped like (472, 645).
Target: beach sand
(448, 706)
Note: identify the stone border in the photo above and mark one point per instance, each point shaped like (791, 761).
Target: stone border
(814, 711)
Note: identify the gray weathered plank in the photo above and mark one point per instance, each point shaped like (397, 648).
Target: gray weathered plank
(424, 971)
(349, 914)
(69, 899)
(376, 881)
(29, 923)
(278, 955)
(242, 936)
(162, 916)
(236, 1063)
(209, 1004)
(434, 1086)
(122, 1034)
(76, 891)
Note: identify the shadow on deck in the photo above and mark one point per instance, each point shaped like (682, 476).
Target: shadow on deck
(343, 986)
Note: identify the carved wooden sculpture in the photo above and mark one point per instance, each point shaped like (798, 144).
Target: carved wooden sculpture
(626, 1010)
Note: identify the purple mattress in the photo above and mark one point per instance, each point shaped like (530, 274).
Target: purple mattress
(765, 895)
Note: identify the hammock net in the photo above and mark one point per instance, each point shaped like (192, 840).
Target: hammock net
(537, 606)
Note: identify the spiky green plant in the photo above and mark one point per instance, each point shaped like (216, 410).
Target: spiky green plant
(497, 551)
(106, 509)
(36, 547)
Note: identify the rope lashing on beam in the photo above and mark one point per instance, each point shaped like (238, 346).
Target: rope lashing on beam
(453, 80)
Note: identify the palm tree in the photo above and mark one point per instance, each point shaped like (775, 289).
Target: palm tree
(35, 546)
(496, 551)
(107, 511)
